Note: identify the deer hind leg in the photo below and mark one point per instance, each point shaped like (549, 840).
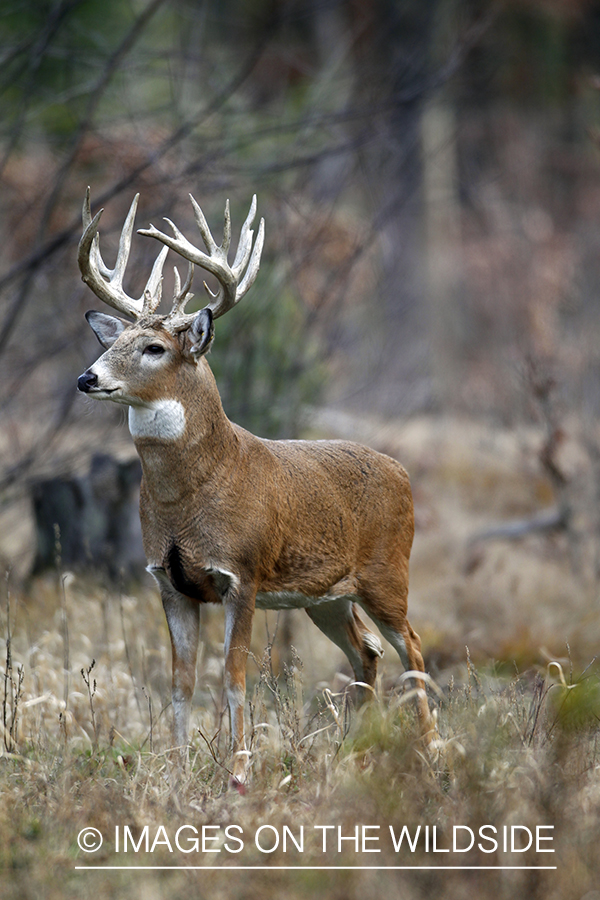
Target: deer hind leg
(339, 620)
(183, 619)
(390, 617)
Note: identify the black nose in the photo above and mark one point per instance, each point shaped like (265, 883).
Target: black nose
(87, 381)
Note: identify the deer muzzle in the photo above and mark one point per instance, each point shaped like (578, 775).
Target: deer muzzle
(87, 382)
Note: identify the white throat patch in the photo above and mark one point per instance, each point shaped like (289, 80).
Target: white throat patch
(164, 419)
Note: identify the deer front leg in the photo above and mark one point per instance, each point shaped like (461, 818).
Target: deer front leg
(238, 631)
(183, 619)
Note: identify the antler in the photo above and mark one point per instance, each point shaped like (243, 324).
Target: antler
(107, 283)
(233, 283)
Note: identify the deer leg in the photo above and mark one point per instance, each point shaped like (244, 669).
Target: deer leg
(339, 620)
(238, 632)
(390, 618)
(407, 644)
(183, 619)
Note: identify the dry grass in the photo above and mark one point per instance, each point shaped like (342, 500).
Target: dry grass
(86, 744)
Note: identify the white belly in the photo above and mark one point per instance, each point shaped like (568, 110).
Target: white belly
(290, 600)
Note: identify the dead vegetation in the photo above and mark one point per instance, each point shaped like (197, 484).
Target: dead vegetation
(86, 745)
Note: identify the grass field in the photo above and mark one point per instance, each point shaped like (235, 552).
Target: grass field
(509, 633)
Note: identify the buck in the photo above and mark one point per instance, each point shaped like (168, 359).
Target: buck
(230, 518)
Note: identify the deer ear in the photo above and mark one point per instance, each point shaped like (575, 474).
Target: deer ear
(201, 333)
(106, 328)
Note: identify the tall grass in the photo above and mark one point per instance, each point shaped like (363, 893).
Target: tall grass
(510, 751)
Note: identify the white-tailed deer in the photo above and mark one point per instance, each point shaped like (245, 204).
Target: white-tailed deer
(230, 518)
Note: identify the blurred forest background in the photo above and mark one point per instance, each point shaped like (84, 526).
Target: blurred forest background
(429, 173)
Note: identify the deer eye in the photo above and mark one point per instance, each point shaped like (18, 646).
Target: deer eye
(154, 349)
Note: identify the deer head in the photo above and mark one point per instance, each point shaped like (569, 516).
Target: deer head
(158, 345)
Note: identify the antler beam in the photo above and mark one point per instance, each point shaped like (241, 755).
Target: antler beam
(235, 280)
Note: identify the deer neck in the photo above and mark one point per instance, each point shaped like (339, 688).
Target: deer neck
(182, 440)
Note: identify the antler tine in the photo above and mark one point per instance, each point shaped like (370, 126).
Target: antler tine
(125, 244)
(245, 245)
(86, 215)
(181, 295)
(177, 289)
(207, 237)
(232, 286)
(107, 283)
(254, 264)
(226, 229)
(153, 289)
